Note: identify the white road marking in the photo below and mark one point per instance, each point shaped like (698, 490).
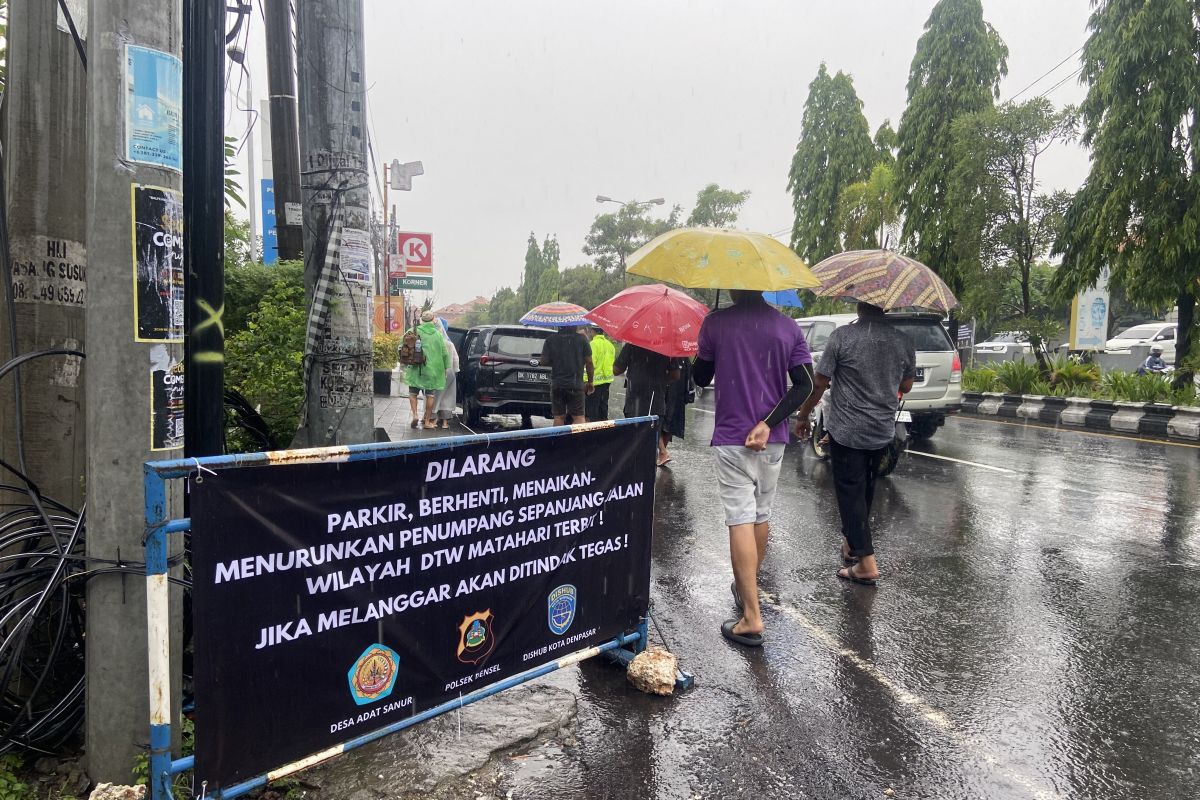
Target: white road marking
(960, 461)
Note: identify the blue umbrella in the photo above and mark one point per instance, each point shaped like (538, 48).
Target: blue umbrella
(788, 298)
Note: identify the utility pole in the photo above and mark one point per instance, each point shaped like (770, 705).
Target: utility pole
(285, 145)
(45, 163)
(204, 226)
(135, 350)
(337, 243)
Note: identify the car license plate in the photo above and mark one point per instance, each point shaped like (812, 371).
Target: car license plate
(903, 416)
(920, 373)
(532, 377)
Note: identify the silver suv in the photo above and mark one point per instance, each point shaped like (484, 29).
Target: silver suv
(937, 390)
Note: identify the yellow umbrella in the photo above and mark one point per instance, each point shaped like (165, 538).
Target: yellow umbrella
(712, 258)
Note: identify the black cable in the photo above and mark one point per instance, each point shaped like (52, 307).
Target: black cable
(1044, 75)
(79, 47)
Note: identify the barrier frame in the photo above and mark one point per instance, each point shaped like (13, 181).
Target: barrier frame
(159, 528)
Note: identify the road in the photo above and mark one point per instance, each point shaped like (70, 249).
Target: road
(1033, 635)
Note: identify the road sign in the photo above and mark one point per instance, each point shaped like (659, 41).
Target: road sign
(270, 238)
(417, 250)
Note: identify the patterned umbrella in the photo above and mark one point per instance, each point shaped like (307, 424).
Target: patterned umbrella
(663, 320)
(883, 278)
(556, 315)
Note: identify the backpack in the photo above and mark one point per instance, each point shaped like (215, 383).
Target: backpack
(412, 352)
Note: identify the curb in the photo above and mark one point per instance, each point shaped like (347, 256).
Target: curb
(1174, 423)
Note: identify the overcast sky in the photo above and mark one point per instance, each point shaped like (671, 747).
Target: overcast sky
(524, 111)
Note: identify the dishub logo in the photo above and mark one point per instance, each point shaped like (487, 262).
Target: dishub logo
(373, 675)
(475, 638)
(561, 608)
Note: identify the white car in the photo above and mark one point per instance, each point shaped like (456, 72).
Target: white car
(1159, 333)
(1004, 343)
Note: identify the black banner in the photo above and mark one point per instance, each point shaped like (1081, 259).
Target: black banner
(333, 599)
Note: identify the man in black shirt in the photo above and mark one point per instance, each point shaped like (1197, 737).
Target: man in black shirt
(568, 354)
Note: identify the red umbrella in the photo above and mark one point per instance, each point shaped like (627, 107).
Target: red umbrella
(654, 317)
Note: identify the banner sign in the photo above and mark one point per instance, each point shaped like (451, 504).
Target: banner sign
(423, 283)
(270, 234)
(1089, 316)
(333, 599)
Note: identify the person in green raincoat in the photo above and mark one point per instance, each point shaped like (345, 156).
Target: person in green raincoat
(428, 378)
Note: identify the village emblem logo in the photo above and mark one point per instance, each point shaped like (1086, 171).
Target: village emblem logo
(373, 675)
(561, 608)
(475, 638)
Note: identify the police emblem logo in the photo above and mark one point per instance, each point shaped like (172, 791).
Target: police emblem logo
(373, 675)
(475, 638)
(561, 608)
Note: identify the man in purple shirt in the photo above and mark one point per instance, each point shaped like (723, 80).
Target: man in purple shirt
(753, 351)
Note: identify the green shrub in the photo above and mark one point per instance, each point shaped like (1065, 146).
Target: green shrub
(1018, 377)
(1134, 388)
(264, 361)
(11, 787)
(385, 350)
(980, 379)
(1072, 377)
(248, 284)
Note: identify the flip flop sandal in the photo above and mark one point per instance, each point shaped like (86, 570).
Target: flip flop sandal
(850, 576)
(737, 597)
(849, 560)
(744, 639)
(412, 424)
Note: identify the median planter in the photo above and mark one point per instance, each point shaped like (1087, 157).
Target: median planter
(1180, 423)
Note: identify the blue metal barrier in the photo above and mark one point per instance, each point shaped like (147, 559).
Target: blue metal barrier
(159, 527)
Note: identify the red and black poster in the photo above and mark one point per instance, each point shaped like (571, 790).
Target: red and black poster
(333, 599)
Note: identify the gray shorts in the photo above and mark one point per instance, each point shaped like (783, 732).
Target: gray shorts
(747, 481)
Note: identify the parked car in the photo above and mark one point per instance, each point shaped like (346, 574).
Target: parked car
(1160, 333)
(501, 372)
(937, 390)
(1005, 343)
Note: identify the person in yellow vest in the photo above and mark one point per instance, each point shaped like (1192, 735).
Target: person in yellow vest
(604, 353)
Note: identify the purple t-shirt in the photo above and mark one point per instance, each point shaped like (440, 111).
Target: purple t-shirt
(753, 346)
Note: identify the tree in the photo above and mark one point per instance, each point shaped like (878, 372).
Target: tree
(614, 237)
(1138, 212)
(885, 144)
(548, 281)
(717, 207)
(1004, 224)
(237, 241)
(868, 209)
(588, 285)
(956, 70)
(533, 271)
(834, 151)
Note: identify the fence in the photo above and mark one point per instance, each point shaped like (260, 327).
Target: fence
(163, 766)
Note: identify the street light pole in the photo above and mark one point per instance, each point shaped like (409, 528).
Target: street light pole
(238, 56)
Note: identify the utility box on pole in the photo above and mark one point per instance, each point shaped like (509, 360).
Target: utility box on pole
(45, 164)
(134, 374)
(337, 225)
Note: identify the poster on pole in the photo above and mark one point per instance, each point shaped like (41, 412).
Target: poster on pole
(153, 108)
(355, 255)
(166, 399)
(157, 264)
(377, 589)
(1089, 316)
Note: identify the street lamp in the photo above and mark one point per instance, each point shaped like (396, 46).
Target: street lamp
(238, 56)
(634, 204)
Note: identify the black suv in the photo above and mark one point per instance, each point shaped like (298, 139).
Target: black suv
(501, 371)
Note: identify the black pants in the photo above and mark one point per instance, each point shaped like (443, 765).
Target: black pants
(854, 483)
(597, 403)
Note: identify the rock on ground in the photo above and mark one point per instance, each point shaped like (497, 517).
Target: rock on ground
(653, 671)
(107, 791)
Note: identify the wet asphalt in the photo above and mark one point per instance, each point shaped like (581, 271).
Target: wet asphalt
(1033, 635)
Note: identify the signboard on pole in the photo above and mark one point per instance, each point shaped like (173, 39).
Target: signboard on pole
(1089, 316)
(417, 251)
(377, 589)
(270, 237)
(153, 108)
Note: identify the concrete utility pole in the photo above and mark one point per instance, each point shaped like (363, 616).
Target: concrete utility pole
(285, 145)
(133, 142)
(337, 222)
(45, 162)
